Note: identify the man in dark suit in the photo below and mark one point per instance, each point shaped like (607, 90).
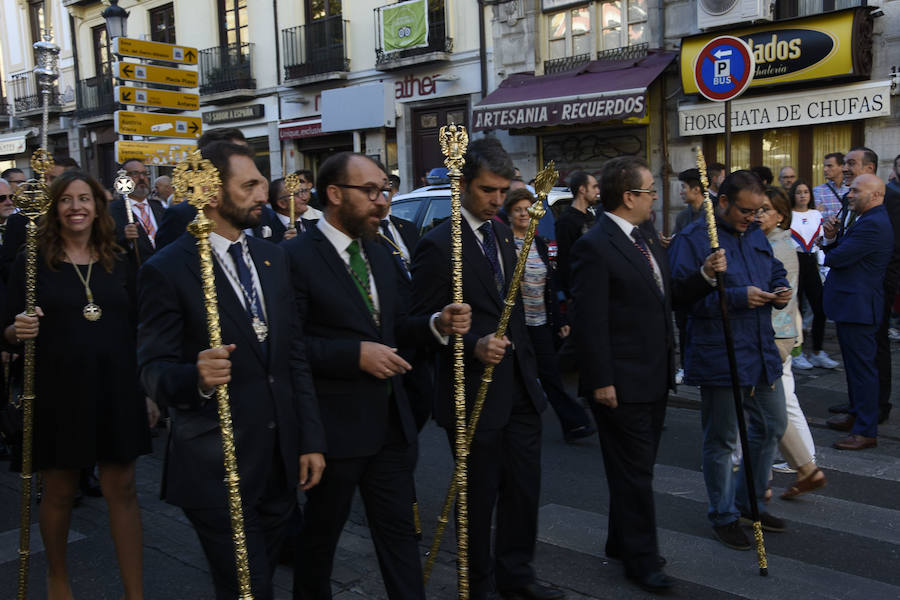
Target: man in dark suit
(505, 458)
(625, 347)
(354, 321)
(854, 300)
(277, 227)
(139, 237)
(278, 432)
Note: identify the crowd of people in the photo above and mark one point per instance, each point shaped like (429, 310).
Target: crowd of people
(336, 351)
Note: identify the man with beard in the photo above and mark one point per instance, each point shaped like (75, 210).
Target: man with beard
(277, 429)
(138, 237)
(354, 320)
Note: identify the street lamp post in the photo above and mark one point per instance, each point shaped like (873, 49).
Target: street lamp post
(116, 20)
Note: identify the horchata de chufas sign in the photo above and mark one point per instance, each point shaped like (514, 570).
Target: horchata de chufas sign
(836, 45)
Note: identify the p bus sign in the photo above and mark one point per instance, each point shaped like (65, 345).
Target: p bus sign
(724, 68)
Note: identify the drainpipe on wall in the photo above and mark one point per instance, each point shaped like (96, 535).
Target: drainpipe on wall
(482, 50)
(78, 130)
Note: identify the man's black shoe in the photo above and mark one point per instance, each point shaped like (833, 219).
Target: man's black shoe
(732, 536)
(883, 416)
(768, 522)
(838, 409)
(655, 582)
(533, 591)
(573, 435)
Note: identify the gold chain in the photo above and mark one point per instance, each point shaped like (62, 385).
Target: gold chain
(86, 282)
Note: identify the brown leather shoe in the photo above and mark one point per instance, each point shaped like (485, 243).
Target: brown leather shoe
(856, 442)
(841, 422)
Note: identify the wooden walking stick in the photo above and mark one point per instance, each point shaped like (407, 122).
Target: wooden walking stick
(732, 364)
(199, 180)
(543, 183)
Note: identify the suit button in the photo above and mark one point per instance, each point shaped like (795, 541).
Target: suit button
(271, 424)
(271, 379)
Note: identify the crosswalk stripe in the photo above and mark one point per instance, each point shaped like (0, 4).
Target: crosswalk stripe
(9, 542)
(866, 464)
(724, 570)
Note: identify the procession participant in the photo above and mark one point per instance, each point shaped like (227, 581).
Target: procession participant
(280, 228)
(85, 332)
(355, 320)
(139, 234)
(278, 433)
(504, 466)
(756, 283)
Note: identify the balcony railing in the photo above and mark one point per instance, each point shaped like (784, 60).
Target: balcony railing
(95, 97)
(315, 48)
(633, 52)
(226, 68)
(438, 41)
(26, 94)
(567, 63)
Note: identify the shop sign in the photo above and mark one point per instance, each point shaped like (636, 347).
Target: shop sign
(12, 146)
(558, 111)
(828, 105)
(228, 115)
(404, 26)
(791, 51)
(300, 130)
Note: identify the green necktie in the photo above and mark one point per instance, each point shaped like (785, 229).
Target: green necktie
(360, 274)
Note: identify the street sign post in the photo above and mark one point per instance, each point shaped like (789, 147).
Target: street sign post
(154, 153)
(723, 69)
(184, 55)
(157, 98)
(150, 74)
(155, 124)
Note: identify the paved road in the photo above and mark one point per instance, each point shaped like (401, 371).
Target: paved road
(842, 543)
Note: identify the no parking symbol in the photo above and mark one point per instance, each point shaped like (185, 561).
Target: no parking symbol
(724, 68)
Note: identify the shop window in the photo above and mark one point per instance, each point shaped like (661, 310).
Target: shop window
(584, 30)
(780, 148)
(589, 151)
(740, 151)
(825, 140)
(162, 24)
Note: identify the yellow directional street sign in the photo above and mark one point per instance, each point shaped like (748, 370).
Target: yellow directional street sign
(148, 74)
(184, 55)
(157, 98)
(134, 123)
(154, 153)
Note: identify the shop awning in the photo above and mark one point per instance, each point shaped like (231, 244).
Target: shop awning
(597, 91)
(14, 142)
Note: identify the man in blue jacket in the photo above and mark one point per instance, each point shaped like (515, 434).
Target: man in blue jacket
(755, 282)
(854, 300)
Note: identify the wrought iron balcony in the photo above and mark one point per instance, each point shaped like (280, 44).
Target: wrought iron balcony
(315, 48)
(26, 94)
(567, 63)
(439, 44)
(95, 97)
(632, 52)
(226, 68)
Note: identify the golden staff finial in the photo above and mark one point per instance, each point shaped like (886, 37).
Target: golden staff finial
(291, 185)
(198, 180)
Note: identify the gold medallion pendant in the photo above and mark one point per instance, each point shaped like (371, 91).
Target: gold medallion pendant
(92, 312)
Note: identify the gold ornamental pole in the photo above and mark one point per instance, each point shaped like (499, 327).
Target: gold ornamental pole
(713, 235)
(124, 185)
(291, 185)
(32, 199)
(542, 185)
(199, 180)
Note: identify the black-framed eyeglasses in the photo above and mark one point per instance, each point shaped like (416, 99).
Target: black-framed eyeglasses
(640, 191)
(16, 181)
(371, 191)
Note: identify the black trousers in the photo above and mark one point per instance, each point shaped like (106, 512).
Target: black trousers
(883, 356)
(385, 482)
(810, 284)
(504, 472)
(571, 415)
(629, 436)
(265, 527)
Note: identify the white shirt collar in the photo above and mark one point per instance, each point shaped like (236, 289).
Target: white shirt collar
(221, 244)
(338, 238)
(473, 221)
(285, 219)
(626, 226)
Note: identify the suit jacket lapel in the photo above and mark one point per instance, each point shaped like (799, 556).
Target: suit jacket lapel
(626, 246)
(330, 256)
(383, 268)
(474, 256)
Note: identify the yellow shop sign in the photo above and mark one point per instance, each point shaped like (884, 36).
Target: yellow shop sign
(825, 46)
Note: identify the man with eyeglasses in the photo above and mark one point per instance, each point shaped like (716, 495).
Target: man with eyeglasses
(7, 206)
(280, 228)
(756, 284)
(14, 177)
(138, 237)
(354, 319)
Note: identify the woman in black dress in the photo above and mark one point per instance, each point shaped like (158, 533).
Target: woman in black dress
(89, 408)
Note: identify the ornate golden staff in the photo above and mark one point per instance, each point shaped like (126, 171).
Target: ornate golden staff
(32, 199)
(198, 179)
(125, 185)
(291, 185)
(732, 363)
(542, 185)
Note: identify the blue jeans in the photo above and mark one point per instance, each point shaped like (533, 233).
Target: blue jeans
(766, 419)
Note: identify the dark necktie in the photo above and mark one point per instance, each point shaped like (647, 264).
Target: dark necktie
(489, 245)
(246, 280)
(641, 245)
(394, 247)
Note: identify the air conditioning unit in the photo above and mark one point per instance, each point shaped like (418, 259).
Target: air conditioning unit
(716, 13)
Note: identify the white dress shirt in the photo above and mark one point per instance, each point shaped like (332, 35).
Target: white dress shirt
(220, 247)
(137, 214)
(398, 239)
(627, 227)
(474, 222)
(340, 241)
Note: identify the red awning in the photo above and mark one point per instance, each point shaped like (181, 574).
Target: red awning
(597, 91)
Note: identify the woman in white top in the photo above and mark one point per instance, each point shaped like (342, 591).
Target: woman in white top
(806, 229)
